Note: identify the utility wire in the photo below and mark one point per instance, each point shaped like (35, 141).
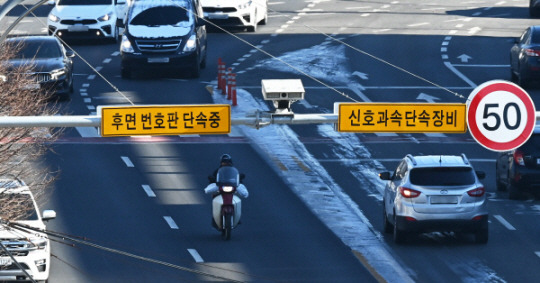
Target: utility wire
(87, 243)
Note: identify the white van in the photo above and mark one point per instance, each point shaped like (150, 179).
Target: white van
(87, 18)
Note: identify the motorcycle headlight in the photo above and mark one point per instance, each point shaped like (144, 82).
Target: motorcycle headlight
(53, 18)
(106, 17)
(191, 44)
(125, 45)
(227, 189)
(57, 74)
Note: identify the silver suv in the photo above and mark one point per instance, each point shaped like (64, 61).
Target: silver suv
(435, 193)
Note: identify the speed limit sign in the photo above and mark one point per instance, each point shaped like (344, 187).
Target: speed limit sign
(500, 115)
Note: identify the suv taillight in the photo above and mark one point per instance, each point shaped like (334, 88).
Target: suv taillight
(518, 158)
(478, 192)
(408, 193)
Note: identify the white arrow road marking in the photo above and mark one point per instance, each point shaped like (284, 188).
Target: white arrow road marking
(427, 97)
(464, 58)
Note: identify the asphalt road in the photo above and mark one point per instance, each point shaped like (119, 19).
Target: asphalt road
(293, 227)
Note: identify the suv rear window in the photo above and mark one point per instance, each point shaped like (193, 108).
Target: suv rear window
(442, 176)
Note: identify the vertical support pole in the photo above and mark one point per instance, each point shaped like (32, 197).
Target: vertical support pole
(233, 89)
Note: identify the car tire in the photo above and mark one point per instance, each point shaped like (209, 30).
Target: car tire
(513, 76)
(522, 80)
(481, 236)
(387, 226)
(400, 236)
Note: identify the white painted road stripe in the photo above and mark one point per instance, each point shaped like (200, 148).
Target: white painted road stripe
(195, 255)
(537, 254)
(148, 191)
(171, 222)
(505, 223)
(127, 161)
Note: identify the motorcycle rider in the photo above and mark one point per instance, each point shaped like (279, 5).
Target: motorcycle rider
(212, 188)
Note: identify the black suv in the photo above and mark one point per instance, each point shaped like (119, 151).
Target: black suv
(164, 35)
(518, 170)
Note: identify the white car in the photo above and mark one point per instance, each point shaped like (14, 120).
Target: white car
(87, 18)
(236, 13)
(30, 249)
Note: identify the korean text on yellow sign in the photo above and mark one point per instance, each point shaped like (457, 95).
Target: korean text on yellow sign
(402, 117)
(165, 120)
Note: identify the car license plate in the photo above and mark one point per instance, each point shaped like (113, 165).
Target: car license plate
(158, 60)
(32, 86)
(444, 199)
(78, 28)
(218, 16)
(5, 261)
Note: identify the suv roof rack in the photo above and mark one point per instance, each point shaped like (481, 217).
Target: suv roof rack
(411, 158)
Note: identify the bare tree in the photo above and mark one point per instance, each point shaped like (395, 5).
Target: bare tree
(22, 149)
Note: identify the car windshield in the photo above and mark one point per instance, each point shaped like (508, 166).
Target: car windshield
(17, 207)
(442, 176)
(37, 49)
(161, 16)
(228, 176)
(84, 2)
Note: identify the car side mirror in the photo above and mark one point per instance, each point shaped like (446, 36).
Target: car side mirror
(48, 215)
(481, 174)
(70, 53)
(385, 175)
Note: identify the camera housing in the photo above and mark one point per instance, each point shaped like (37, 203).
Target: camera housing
(283, 93)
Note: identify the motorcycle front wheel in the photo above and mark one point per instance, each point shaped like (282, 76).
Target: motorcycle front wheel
(227, 227)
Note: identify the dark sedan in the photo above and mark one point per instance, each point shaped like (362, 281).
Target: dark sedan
(518, 171)
(50, 62)
(525, 57)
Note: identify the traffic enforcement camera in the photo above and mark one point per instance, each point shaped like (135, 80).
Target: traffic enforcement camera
(283, 93)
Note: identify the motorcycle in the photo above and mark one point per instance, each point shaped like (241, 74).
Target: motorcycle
(226, 205)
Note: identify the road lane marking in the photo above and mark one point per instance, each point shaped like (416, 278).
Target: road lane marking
(171, 222)
(148, 191)
(127, 161)
(505, 223)
(537, 254)
(195, 255)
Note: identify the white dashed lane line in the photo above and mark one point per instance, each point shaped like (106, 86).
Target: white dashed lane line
(171, 222)
(505, 223)
(127, 161)
(195, 255)
(148, 190)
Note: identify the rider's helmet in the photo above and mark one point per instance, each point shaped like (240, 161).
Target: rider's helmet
(226, 159)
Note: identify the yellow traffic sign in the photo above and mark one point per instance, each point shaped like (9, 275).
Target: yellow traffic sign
(165, 120)
(402, 117)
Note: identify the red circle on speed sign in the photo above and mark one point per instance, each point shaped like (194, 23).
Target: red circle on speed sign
(500, 115)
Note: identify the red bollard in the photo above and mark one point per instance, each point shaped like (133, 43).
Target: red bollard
(231, 77)
(233, 89)
(221, 74)
(226, 88)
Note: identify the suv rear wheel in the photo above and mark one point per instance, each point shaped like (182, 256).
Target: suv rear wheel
(400, 236)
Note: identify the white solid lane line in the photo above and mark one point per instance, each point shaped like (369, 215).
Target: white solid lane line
(505, 223)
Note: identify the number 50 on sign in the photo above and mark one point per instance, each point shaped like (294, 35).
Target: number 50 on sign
(501, 115)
